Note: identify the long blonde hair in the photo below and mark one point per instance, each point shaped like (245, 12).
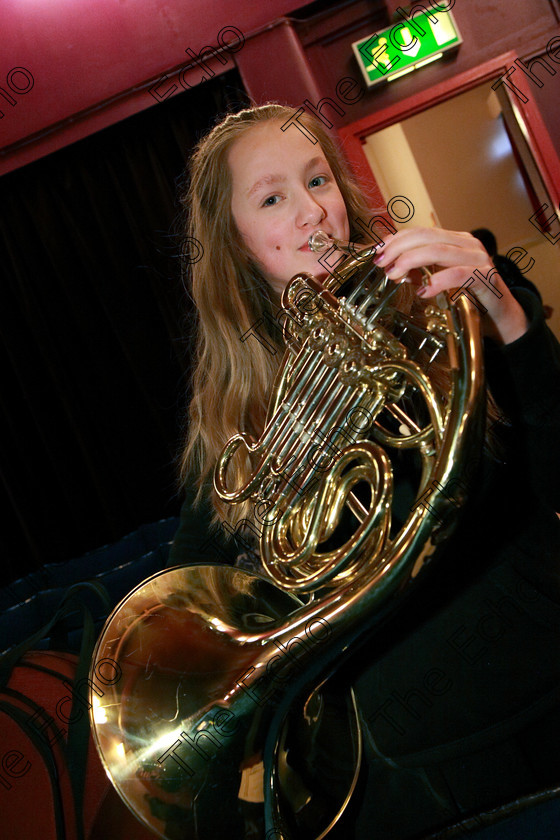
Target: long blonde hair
(232, 377)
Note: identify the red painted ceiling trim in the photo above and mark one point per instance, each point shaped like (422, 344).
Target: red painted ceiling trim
(87, 65)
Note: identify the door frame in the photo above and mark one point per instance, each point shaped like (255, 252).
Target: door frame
(538, 139)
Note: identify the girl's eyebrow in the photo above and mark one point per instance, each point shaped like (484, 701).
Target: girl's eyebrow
(265, 181)
(316, 161)
(268, 180)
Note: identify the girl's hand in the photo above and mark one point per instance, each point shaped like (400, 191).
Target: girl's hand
(455, 258)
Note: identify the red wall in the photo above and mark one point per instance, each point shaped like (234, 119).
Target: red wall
(102, 54)
(92, 63)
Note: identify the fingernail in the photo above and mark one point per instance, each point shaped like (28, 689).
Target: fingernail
(421, 291)
(379, 259)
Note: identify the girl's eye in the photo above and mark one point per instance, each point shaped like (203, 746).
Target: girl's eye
(271, 201)
(318, 181)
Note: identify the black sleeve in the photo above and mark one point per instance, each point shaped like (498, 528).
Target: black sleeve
(524, 378)
(197, 539)
(513, 277)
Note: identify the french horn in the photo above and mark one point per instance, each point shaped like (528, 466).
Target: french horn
(217, 716)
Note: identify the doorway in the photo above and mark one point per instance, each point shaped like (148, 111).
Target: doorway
(464, 165)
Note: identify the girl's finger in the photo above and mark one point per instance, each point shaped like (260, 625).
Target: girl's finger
(434, 245)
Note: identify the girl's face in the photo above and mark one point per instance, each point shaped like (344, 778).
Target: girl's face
(283, 191)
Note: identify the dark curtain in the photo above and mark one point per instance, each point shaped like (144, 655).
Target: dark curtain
(93, 345)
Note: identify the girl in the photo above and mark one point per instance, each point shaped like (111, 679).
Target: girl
(457, 703)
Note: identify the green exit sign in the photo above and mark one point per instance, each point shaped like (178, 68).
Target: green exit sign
(406, 46)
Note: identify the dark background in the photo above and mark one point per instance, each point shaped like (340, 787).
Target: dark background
(94, 332)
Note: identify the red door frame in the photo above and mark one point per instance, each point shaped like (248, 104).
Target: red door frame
(353, 136)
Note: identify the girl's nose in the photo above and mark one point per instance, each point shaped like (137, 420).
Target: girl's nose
(309, 211)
